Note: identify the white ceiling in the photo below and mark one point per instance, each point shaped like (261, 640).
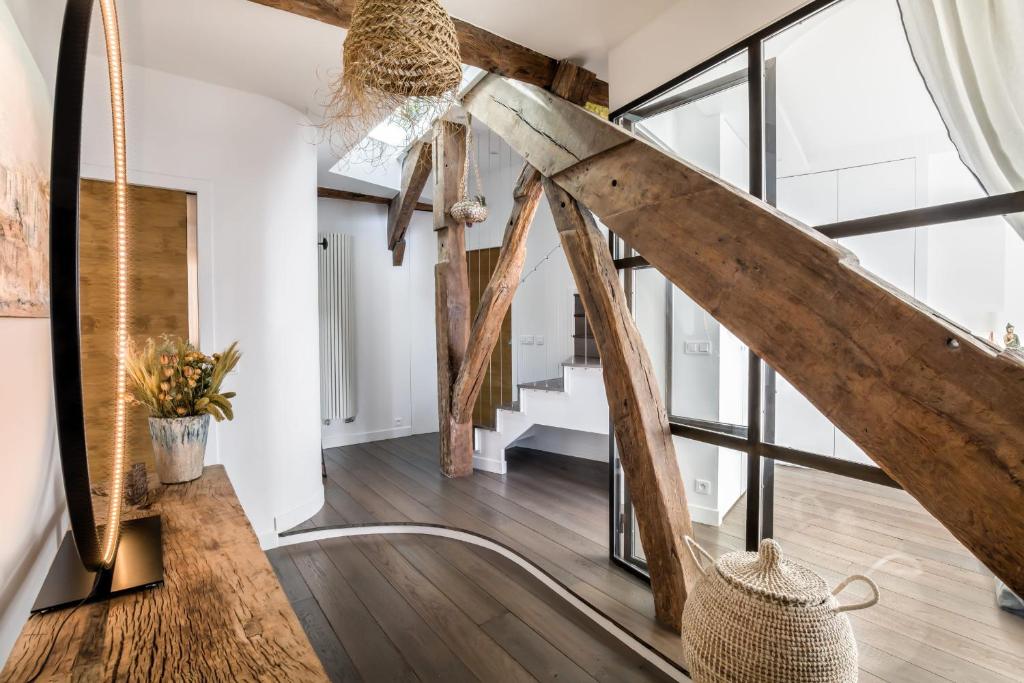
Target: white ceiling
(241, 44)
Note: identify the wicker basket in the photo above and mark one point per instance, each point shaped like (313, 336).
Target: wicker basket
(469, 211)
(757, 617)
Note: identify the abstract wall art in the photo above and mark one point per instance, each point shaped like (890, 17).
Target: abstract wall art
(25, 116)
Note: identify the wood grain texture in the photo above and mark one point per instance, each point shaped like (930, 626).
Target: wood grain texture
(220, 616)
(938, 409)
(646, 450)
(495, 385)
(452, 296)
(479, 47)
(525, 117)
(416, 169)
(573, 83)
(158, 303)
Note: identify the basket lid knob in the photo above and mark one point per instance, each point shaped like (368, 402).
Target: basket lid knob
(769, 554)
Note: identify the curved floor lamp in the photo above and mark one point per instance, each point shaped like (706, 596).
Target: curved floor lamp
(92, 563)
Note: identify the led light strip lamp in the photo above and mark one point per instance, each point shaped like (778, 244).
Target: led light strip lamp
(127, 555)
(111, 534)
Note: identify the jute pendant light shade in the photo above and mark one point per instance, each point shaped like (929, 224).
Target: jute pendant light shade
(401, 59)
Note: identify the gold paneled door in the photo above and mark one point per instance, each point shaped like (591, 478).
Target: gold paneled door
(497, 387)
(161, 269)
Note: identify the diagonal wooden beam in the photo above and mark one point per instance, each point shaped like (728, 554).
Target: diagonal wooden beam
(415, 171)
(638, 413)
(573, 83)
(479, 47)
(497, 298)
(937, 408)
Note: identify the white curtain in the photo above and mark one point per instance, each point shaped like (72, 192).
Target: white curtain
(971, 56)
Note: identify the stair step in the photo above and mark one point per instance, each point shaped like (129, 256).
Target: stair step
(511, 406)
(555, 384)
(582, 362)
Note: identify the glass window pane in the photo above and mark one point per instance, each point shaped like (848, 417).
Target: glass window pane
(715, 480)
(708, 125)
(709, 366)
(936, 617)
(852, 130)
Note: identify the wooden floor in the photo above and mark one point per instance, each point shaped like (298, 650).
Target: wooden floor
(937, 618)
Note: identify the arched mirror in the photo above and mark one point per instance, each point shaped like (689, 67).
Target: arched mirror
(104, 554)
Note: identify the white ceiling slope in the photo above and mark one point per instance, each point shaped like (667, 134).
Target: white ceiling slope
(243, 45)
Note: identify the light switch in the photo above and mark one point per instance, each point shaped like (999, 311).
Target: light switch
(526, 339)
(699, 348)
(539, 340)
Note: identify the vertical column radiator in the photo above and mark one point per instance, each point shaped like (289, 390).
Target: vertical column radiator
(337, 329)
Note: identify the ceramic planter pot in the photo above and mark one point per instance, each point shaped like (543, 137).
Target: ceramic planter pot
(179, 446)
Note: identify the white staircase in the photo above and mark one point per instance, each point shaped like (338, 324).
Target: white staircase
(576, 401)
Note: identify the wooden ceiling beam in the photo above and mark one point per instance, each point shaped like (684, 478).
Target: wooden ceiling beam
(348, 196)
(935, 407)
(479, 47)
(415, 171)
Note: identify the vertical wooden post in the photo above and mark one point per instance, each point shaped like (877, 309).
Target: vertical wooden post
(452, 303)
(641, 423)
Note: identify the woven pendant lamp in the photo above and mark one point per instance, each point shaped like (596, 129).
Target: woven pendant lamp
(401, 59)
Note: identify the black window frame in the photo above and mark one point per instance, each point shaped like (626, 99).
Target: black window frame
(756, 438)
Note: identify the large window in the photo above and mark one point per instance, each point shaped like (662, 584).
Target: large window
(826, 116)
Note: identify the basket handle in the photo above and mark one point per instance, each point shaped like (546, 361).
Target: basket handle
(694, 549)
(858, 605)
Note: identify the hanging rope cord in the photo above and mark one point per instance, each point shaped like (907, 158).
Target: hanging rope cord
(471, 160)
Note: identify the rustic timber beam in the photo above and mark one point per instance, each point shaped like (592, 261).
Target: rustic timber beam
(415, 171)
(646, 450)
(479, 47)
(346, 195)
(573, 83)
(935, 407)
(452, 296)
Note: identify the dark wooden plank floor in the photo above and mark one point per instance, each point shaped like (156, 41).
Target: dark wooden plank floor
(936, 620)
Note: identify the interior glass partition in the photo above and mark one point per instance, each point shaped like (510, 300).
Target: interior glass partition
(841, 134)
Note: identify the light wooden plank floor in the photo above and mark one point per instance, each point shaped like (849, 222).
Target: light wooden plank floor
(937, 618)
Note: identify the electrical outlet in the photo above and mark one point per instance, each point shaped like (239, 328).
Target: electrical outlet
(702, 486)
(539, 340)
(398, 420)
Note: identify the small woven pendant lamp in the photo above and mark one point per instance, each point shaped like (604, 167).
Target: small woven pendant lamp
(400, 59)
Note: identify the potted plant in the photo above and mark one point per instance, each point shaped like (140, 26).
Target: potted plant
(180, 387)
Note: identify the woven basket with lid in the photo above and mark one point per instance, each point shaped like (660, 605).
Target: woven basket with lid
(758, 617)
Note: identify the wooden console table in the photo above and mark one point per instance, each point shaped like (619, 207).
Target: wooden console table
(221, 614)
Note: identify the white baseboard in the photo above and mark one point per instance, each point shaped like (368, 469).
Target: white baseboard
(334, 439)
(489, 464)
(705, 515)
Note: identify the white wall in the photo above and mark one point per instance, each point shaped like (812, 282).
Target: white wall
(683, 36)
(395, 334)
(31, 493)
(253, 165)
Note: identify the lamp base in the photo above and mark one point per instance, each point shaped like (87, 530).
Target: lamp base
(139, 565)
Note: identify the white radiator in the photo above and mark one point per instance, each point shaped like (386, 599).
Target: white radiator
(337, 329)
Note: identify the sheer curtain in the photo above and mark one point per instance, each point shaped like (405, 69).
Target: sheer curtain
(971, 56)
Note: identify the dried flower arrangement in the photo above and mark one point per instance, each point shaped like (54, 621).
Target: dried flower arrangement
(172, 378)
